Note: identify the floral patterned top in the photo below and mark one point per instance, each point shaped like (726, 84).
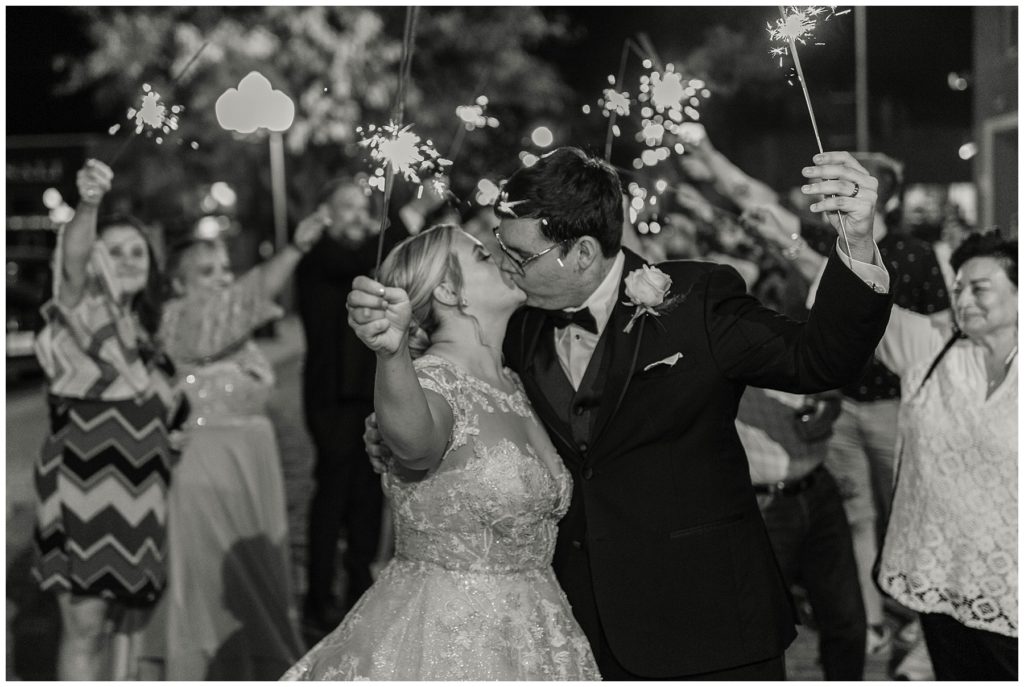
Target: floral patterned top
(951, 544)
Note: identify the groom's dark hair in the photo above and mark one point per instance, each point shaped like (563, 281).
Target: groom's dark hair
(573, 195)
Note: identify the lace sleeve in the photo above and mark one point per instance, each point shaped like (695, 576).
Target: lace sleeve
(442, 377)
(909, 339)
(207, 325)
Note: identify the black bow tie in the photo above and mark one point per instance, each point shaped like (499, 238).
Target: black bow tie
(580, 318)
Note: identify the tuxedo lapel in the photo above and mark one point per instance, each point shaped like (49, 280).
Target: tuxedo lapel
(622, 351)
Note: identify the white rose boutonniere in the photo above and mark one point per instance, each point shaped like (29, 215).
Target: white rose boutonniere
(647, 288)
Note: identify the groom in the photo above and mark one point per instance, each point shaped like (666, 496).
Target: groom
(637, 374)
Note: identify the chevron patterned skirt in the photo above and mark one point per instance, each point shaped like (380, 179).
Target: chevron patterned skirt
(101, 517)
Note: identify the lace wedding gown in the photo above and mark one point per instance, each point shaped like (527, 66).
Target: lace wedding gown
(470, 594)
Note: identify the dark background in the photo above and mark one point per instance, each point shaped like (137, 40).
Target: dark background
(911, 51)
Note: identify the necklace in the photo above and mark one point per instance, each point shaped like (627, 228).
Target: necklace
(1006, 367)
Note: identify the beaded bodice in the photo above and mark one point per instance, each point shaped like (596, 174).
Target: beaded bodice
(494, 502)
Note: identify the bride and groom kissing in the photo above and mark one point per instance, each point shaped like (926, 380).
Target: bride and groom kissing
(571, 498)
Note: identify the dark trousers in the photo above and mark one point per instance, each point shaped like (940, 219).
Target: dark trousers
(811, 538)
(773, 669)
(959, 652)
(347, 497)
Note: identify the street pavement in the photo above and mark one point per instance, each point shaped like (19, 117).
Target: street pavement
(33, 623)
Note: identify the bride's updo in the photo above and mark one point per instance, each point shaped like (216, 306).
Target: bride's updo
(419, 264)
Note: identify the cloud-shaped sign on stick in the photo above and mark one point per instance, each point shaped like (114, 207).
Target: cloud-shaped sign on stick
(254, 104)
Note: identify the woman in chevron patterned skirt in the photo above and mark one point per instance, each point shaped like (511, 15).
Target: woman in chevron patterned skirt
(104, 470)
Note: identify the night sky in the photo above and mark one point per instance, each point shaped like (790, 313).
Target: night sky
(911, 50)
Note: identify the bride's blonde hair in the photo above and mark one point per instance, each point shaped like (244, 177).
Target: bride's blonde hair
(419, 264)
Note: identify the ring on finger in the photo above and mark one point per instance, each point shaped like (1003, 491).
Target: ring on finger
(856, 190)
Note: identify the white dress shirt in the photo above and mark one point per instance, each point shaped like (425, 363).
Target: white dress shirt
(873, 274)
(574, 344)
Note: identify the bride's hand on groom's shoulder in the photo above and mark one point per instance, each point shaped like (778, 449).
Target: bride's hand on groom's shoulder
(379, 315)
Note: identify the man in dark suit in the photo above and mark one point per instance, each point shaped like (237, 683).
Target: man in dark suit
(337, 395)
(663, 554)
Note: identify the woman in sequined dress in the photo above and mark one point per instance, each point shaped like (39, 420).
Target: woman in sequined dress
(476, 488)
(227, 610)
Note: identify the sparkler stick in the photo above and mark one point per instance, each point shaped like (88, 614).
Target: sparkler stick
(628, 44)
(791, 35)
(405, 66)
(611, 117)
(133, 134)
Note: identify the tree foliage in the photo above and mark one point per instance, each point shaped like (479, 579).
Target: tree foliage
(340, 67)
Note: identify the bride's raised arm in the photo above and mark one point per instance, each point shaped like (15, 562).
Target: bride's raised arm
(416, 424)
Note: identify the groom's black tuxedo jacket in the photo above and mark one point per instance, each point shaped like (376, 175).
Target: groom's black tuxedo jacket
(663, 545)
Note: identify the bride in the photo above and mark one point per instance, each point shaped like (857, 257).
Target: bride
(477, 488)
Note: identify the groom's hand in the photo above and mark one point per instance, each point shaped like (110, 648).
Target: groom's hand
(380, 455)
(849, 199)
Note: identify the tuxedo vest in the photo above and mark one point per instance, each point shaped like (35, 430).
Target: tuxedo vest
(576, 409)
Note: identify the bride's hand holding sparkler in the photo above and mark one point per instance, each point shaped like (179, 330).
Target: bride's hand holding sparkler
(849, 196)
(380, 316)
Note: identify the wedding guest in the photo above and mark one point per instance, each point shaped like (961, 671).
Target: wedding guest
(785, 437)
(227, 614)
(337, 393)
(950, 551)
(861, 448)
(102, 477)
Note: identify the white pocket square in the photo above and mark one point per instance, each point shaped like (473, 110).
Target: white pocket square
(670, 361)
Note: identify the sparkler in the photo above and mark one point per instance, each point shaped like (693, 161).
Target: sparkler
(153, 112)
(398, 152)
(613, 130)
(669, 107)
(797, 26)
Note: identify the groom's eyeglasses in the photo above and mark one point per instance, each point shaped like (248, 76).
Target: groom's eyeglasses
(518, 261)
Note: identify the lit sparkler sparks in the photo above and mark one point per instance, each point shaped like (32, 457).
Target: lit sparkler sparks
(667, 90)
(798, 25)
(616, 102)
(474, 116)
(403, 151)
(669, 107)
(153, 113)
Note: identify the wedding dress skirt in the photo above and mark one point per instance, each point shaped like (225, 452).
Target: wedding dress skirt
(470, 594)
